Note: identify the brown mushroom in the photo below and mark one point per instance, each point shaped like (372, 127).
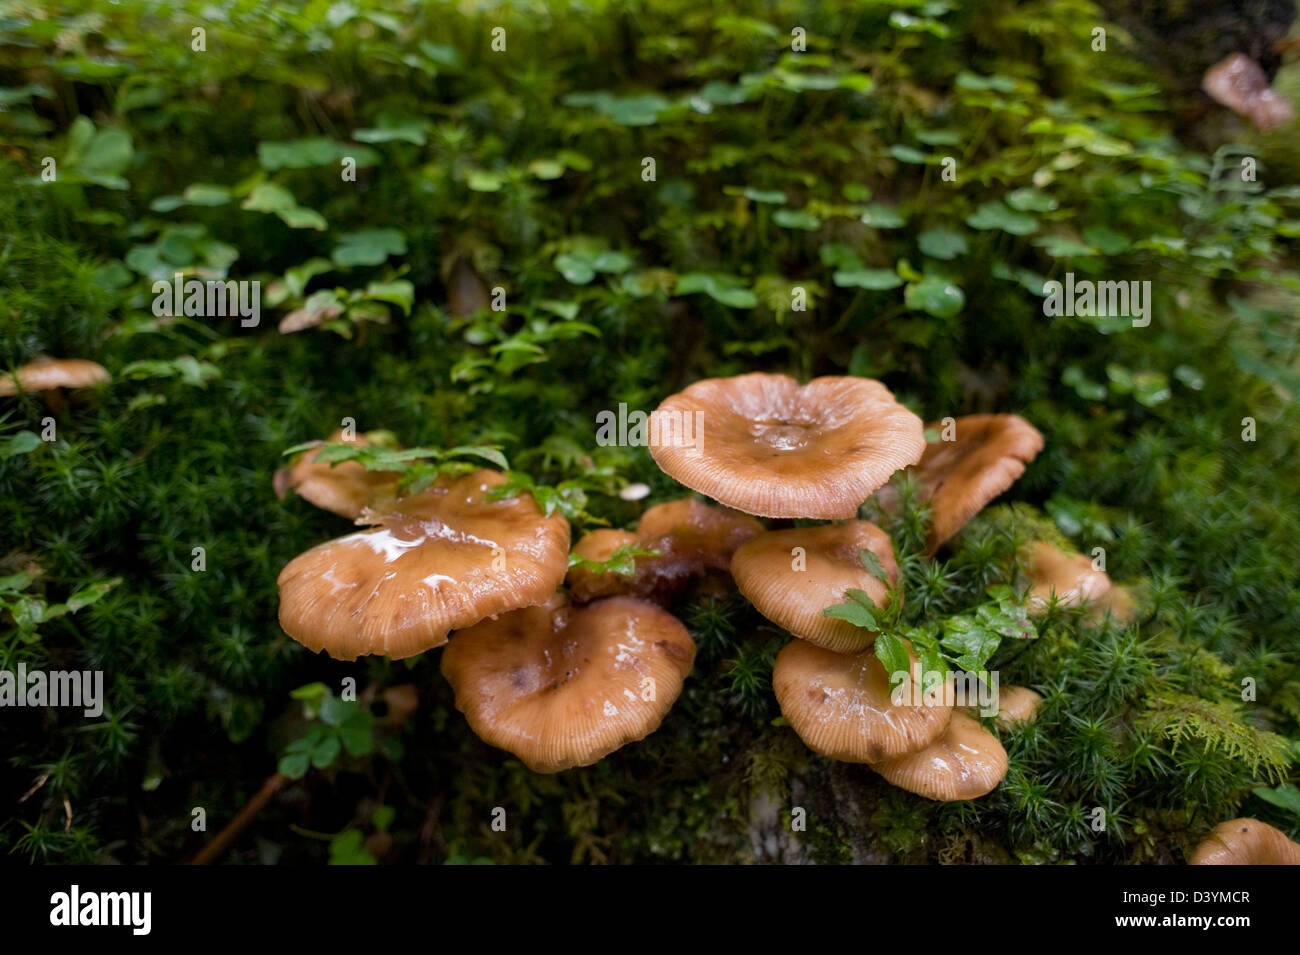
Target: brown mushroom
(688, 538)
(1017, 705)
(766, 445)
(446, 558)
(600, 546)
(840, 705)
(959, 477)
(792, 575)
(1241, 84)
(1070, 577)
(966, 762)
(46, 374)
(1246, 842)
(561, 686)
(347, 488)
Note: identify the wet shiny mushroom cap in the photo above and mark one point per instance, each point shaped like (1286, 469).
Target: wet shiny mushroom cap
(792, 575)
(1070, 577)
(49, 373)
(347, 488)
(840, 706)
(689, 537)
(961, 476)
(765, 445)
(561, 686)
(1017, 705)
(448, 558)
(966, 762)
(1246, 842)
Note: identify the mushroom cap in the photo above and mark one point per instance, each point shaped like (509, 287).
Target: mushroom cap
(691, 537)
(1017, 705)
(599, 545)
(561, 686)
(766, 445)
(1246, 842)
(765, 574)
(447, 558)
(1070, 577)
(1241, 84)
(960, 477)
(966, 762)
(691, 527)
(48, 373)
(347, 488)
(840, 705)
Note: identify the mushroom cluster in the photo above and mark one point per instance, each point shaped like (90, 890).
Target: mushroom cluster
(773, 448)
(556, 685)
(563, 677)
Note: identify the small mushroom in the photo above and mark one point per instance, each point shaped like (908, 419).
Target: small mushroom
(347, 488)
(446, 558)
(959, 477)
(966, 762)
(561, 686)
(766, 445)
(1246, 842)
(840, 705)
(792, 575)
(1241, 84)
(46, 374)
(599, 546)
(689, 537)
(1070, 577)
(1017, 705)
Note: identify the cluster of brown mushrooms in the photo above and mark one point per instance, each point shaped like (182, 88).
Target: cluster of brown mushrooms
(562, 679)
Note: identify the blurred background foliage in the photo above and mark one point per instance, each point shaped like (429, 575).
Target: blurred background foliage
(773, 169)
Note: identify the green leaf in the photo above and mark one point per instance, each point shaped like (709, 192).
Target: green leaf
(315, 151)
(873, 279)
(409, 129)
(24, 442)
(727, 289)
(398, 292)
(1029, 199)
(1284, 796)
(300, 218)
(368, 247)
(935, 296)
(871, 561)
(942, 243)
(796, 219)
(996, 215)
(326, 752)
(294, 765)
(892, 653)
(92, 594)
(908, 154)
(268, 197)
(882, 217)
(854, 613)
